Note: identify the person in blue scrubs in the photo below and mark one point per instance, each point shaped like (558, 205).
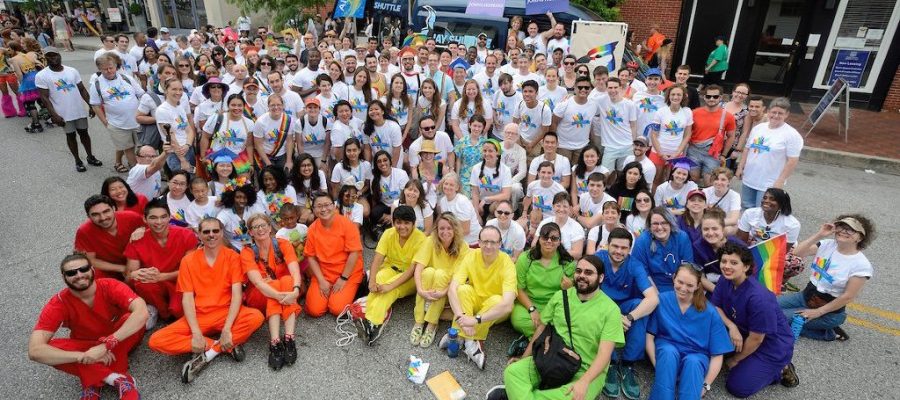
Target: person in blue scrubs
(662, 248)
(762, 338)
(686, 339)
(628, 285)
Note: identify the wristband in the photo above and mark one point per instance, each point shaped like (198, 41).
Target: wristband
(346, 278)
(478, 319)
(109, 341)
(298, 288)
(531, 309)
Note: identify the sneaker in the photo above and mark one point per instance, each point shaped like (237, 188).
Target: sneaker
(290, 351)
(415, 336)
(192, 368)
(427, 338)
(374, 333)
(362, 328)
(276, 356)
(94, 161)
(476, 353)
(80, 167)
(613, 387)
(445, 341)
(91, 392)
(496, 393)
(517, 347)
(127, 388)
(237, 353)
(630, 386)
(789, 376)
(38, 128)
(152, 318)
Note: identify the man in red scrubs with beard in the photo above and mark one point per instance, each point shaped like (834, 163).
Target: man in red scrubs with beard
(105, 319)
(102, 238)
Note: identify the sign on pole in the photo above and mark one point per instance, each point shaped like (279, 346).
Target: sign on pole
(849, 65)
(535, 7)
(491, 8)
(838, 88)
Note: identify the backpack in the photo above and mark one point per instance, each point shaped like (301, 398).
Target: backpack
(149, 133)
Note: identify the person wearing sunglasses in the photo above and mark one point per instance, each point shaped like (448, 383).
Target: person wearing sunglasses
(101, 335)
(712, 124)
(103, 236)
(513, 234)
(572, 238)
(212, 305)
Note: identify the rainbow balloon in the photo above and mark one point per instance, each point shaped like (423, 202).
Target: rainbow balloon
(769, 258)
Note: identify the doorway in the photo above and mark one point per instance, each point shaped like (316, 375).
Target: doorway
(777, 54)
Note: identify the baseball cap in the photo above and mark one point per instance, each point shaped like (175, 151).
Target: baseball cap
(653, 71)
(313, 101)
(482, 34)
(642, 140)
(50, 49)
(163, 30)
(853, 223)
(251, 82)
(696, 192)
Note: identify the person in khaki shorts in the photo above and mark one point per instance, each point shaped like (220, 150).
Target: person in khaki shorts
(114, 97)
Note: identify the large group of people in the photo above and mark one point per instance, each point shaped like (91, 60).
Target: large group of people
(512, 183)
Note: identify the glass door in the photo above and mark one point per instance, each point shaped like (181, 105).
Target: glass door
(776, 53)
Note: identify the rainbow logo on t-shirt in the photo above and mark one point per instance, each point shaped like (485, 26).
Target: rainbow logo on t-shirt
(820, 268)
(550, 103)
(115, 93)
(626, 203)
(378, 143)
(312, 139)
(582, 185)
(501, 108)
(647, 105)
(759, 145)
(358, 105)
(229, 138)
(613, 117)
(526, 123)
(62, 86)
(180, 123)
(543, 204)
(488, 184)
(399, 111)
(672, 203)
(178, 218)
(391, 194)
(762, 233)
(580, 121)
(672, 128)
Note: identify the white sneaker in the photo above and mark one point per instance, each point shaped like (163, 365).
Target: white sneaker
(475, 351)
(445, 341)
(152, 318)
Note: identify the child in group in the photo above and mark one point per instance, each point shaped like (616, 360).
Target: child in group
(203, 206)
(294, 232)
(590, 203)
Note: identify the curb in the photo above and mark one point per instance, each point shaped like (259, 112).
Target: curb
(850, 160)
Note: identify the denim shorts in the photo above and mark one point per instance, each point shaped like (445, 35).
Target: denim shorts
(700, 155)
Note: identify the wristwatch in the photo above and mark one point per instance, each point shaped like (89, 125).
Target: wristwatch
(478, 319)
(629, 317)
(345, 278)
(532, 309)
(298, 288)
(707, 386)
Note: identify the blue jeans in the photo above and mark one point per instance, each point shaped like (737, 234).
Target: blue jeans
(821, 328)
(175, 164)
(750, 197)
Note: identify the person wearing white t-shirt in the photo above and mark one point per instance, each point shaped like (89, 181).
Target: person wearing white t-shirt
(840, 270)
(673, 194)
(428, 131)
(571, 232)
(649, 102)
(722, 196)
(670, 130)
(537, 38)
(505, 103)
(533, 117)
(488, 79)
(453, 201)
(304, 81)
(562, 172)
(572, 120)
(553, 93)
(383, 133)
(273, 135)
(128, 58)
(772, 218)
(144, 178)
(538, 202)
(590, 203)
(386, 185)
(351, 169)
(523, 74)
(345, 127)
(588, 164)
(770, 155)
(641, 146)
(173, 117)
(514, 157)
(293, 103)
(109, 44)
(618, 126)
(558, 41)
(512, 236)
(598, 235)
(114, 97)
(467, 106)
(314, 135)
(491, 181)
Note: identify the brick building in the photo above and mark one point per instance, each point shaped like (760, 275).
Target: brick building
(786, 47)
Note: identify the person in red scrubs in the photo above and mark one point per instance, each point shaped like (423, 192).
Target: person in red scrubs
(105, 320)
(102, 238)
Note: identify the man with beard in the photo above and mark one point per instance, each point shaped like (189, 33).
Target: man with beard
(304, 81)
(210, 281)
(596, 328)
(105, 321)
(350, 65)
(291, 67)
(153, 262)
(103, 237)
(630, 288)
(410, 73)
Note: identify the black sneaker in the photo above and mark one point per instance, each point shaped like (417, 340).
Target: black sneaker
(517, 347)
(290, 351)
(496, 393)
(94, 161)
(789, 376)
(374, 332)
(276, 356)
(80, 167)
(38, 128)
(237, 353)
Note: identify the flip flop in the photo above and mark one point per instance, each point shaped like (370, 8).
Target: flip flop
(121, 168)
(416, 335)
(427, 338)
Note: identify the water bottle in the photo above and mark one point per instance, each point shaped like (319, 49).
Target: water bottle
(797, 323)
(453, 346)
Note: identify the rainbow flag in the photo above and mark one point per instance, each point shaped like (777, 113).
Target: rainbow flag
(414, 40)
(769, 256)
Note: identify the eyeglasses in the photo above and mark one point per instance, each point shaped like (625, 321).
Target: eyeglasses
(498, 212)
(584, 87)
(712, 96)
(183, 65)
(643, 200)
(265, 63)
(146, 155)
(258, 227)
(581, 72)
(322, 207)
(427, 128)
(75, 271)
(551, 239)
(330, 36)
(740, 93)
(211, 231)
(485, 243)
(659, 224)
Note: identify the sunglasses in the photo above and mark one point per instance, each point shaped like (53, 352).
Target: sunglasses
(712, 96)
(584, 88)
(80, 270)
(211, 231)
(551, 239)
(265, 63)
(183, 65)
(427, 128)
(569, 63)
(498, 212)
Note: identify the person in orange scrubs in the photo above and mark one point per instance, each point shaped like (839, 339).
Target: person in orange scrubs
(105, 321)
(210, 281)
(271, 265)
(334, 250)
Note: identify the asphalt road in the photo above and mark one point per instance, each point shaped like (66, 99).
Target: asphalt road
(44, 198)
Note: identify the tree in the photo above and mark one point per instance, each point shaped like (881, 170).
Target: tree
(608, 9)
(283, 11)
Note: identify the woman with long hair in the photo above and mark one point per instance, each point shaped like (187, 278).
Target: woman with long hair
(232, 131)
(383, 132)
(336, 73)
(671, 138)
(147, 66)
(673, 193)
(239, 203)
(588, 163)
(467, 152)
(264, 66)
(707, 246)
(120, 192)
(469, 105)
(353, 168)
(663, 248)
(636, 220)
(185, 67)
(26, 66)
(399, 105)
(345, 127)
(429, 103)
(275, 191)
(429, 172)
(413, 195)
(457, 203)
(360, 94)
(628, 184)
(177, 197)
(491, 180)
(387, 184)
(175, 126)
(434, 266)
(306, 179)
(689, 222)
(737, 106)
(538, 203)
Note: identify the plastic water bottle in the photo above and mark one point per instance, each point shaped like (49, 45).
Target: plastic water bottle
(797, 323)
(453, 346)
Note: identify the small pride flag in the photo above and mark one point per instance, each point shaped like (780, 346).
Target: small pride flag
(769, 258)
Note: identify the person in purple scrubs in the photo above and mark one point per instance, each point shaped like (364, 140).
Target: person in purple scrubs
(761, 334)
(712, 238)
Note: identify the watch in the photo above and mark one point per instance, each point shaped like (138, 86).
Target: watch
(629, 317)
(478, 318)
(707, 386)
(345, 278)
(299, 289)
(532, 309)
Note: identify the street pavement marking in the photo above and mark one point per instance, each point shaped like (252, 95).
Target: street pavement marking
(873, 326)
(875, 311)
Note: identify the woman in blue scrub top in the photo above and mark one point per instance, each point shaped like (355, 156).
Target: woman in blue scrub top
(662, 248)
(761, 335)
(686, 339)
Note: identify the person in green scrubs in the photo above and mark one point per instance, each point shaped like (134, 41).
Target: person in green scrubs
(716, 63)
(596, 330)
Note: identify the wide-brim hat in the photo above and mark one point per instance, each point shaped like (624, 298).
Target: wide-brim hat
(211, 83)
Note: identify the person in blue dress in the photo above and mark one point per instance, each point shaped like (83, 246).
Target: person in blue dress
(662, 248)
(628, 285)
(761, 335)
(686, 339)
(706, 247)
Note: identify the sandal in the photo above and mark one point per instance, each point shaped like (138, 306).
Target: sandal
(789, 376)
(120, 168)
(840, 334)
(427, 338)
(415, 335)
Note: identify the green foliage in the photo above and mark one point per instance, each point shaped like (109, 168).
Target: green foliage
(282, 11)
(608, 9)
(135, 9)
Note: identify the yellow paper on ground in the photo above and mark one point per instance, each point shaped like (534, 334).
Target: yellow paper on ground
(445, 387)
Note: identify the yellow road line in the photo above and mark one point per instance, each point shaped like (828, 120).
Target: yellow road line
(889, 315)
(873, 326)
